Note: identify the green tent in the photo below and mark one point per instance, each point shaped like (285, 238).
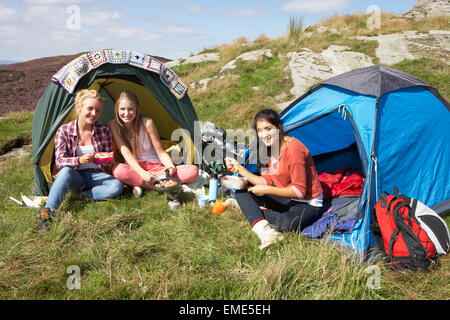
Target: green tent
(162, 96)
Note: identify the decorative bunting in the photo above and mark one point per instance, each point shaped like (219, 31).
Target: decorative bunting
(179, 89)
(69, 75)
(137, 59)
(168, 76)
(96, 58)
(154, 65)
(81, 66)
(117, 56)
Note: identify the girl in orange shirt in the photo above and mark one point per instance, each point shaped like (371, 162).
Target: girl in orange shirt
(288, 188)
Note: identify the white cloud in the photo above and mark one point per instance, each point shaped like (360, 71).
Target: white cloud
(133, 34)
(100, 19)
(179, 30)
(314, 6)
(41, 28)
(53, 2)
(194, 9)
(7, 14)
(244, 13)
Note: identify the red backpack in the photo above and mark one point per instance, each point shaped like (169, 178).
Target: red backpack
(399, 235)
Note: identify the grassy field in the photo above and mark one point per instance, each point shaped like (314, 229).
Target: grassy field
(130, 248)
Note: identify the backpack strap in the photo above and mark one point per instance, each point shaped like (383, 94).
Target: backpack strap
(392, 240)
(396, 192)
(383, 203)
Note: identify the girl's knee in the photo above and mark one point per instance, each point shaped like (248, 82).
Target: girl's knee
(187, 173)
(120, 170)
(115, 187)
(65, 173)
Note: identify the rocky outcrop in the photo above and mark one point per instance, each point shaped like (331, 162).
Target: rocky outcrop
(308, 67)
(247, 56)
(429, 8)
(194, 59)
(395, 47)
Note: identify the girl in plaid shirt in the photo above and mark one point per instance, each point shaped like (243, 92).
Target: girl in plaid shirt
(76, 143)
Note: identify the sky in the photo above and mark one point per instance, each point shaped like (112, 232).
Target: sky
(173, 29)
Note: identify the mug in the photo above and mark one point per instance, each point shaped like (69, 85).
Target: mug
(219, 207)
(202, 200)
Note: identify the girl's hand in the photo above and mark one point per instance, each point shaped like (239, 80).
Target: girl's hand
(147, 176)
(86, 158)
(258, 190)
(172, 170)
(232, 164)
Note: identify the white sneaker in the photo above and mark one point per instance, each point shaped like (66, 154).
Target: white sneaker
(137, 191)
(266, 233)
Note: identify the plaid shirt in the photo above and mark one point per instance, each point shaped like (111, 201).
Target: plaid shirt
(66, 142)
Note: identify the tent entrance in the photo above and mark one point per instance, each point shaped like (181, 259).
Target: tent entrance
(333, 141)
(110, 89)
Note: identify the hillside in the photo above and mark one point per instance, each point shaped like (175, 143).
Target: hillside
(22, 84)
(304, 57)
(229, 83)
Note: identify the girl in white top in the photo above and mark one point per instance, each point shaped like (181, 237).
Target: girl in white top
(137, 138)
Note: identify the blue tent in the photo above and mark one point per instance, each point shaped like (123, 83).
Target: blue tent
(392, 126)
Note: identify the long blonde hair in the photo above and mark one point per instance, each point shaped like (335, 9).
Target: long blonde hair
(126, 134)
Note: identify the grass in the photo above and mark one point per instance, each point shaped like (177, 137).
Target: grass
(232, 101)
(17, 127)
(295, 27)
(130, 248)
(435, 73)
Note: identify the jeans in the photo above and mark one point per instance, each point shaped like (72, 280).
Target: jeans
(96, 185)
(284, 213)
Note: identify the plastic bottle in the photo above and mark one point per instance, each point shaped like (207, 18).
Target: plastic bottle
(213, 187)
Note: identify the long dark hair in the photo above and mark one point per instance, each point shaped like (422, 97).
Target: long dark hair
(273, 118)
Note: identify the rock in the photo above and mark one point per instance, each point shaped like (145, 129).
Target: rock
(308, 68)
(204, 82)
(323, 29)
(393, 48)
(194, 59)
(283, 105)
(440, 32)
(428, 8)
(247, 56)
(17, 152)
(341, 61)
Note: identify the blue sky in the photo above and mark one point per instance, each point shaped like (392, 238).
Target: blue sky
(173, 29)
